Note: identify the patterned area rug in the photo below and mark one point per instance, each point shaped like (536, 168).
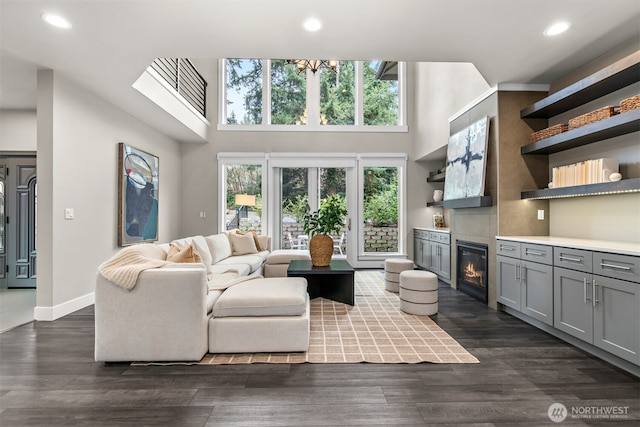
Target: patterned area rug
(373, 331)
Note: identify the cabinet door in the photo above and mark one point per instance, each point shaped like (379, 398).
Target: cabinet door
(508, 283)
(616, 321)
(445, 261)
(572, 310)
(434, 257)
(537, 291)
(418, 253)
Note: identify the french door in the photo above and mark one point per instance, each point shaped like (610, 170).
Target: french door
(290, 184)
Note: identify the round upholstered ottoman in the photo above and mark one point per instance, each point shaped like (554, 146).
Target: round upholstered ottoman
(419, 292)
(392, 270)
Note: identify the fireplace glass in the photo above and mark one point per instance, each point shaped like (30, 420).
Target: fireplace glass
(471, 268)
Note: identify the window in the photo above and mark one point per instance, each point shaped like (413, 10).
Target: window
(244, 91)
(337, 95)
(242, 191)
(380, 96)
(270, 94)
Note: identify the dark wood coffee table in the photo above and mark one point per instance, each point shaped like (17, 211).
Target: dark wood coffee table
(335, 282)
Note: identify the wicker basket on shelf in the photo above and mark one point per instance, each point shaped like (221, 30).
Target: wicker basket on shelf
(591, 117)
(548, 132)
(630, 103)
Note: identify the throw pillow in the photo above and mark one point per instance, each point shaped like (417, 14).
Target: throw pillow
(255, 238)
(188, 254)
(219, 246)
(201, 247)
(242, 244)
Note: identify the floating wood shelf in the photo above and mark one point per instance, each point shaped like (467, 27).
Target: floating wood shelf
(624, 186)
(616, 76)
(436, 177)
(617, 125)
(435, 204)
(468, 202)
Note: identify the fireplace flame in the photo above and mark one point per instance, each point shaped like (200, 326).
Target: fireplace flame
(471, 275)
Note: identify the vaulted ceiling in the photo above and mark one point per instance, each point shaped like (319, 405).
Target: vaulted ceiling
(112, 42)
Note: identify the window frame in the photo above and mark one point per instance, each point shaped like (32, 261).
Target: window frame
(313, 104)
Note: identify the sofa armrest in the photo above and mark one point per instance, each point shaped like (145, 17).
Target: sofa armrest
(163, 318)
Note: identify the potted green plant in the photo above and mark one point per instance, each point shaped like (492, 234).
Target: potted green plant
(318, 225)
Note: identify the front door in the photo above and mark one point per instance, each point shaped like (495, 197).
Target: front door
(18, 221)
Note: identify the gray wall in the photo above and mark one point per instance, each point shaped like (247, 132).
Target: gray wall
(18, 130)
(77, 136)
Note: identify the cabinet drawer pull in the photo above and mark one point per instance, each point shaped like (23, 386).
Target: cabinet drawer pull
(507, 248)
(566, 258)
(619, 267)
(536, 253)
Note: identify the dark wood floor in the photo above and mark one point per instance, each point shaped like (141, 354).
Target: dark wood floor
(48, 378)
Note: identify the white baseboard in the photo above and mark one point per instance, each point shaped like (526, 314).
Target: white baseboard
(48, 314)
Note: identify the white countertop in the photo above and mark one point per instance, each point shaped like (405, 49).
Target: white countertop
(625, 248)
(441, 230)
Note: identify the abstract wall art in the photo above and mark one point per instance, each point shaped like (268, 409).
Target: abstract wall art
(137, 196)
(466, 161)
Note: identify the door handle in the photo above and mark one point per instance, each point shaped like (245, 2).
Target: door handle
(584, 289)
(349, 224)
(523, 275)
(595, 293)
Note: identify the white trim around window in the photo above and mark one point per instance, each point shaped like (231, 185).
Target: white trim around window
(313, 93)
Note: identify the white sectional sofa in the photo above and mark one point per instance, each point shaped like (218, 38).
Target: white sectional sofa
(179, 311)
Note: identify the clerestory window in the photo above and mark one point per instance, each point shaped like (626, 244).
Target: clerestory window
(271, 94)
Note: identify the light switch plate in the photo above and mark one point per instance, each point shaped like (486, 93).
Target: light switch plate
(541, 214)
(68, 213)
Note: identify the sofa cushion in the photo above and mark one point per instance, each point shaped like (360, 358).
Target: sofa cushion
(219, 246)
(242, 244)
(254, 261)
(263, 297)
(200, 244)
(189, 254)
(212, 297)
(242, 269)
(285, 256)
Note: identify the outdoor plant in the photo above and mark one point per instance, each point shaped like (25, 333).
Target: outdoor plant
(298, 208)
(329, 219)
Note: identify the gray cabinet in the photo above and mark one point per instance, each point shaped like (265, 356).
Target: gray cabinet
(524, 285)
(432, 251)
(603, 311)
(421, 252)
(440, 252)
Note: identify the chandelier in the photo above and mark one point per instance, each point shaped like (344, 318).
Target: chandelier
(313, 64)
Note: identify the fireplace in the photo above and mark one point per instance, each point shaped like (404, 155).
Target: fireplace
(472, 269)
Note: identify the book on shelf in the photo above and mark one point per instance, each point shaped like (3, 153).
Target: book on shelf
(586, 172)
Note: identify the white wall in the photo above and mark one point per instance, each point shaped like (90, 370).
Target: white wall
(442, 89)
(18, 130)
(78, 135)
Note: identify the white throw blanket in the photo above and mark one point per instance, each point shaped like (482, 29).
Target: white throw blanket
(124, 267)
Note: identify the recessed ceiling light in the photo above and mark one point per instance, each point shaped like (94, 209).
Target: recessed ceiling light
(312, 24)
(56, 20)
(557, 28)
